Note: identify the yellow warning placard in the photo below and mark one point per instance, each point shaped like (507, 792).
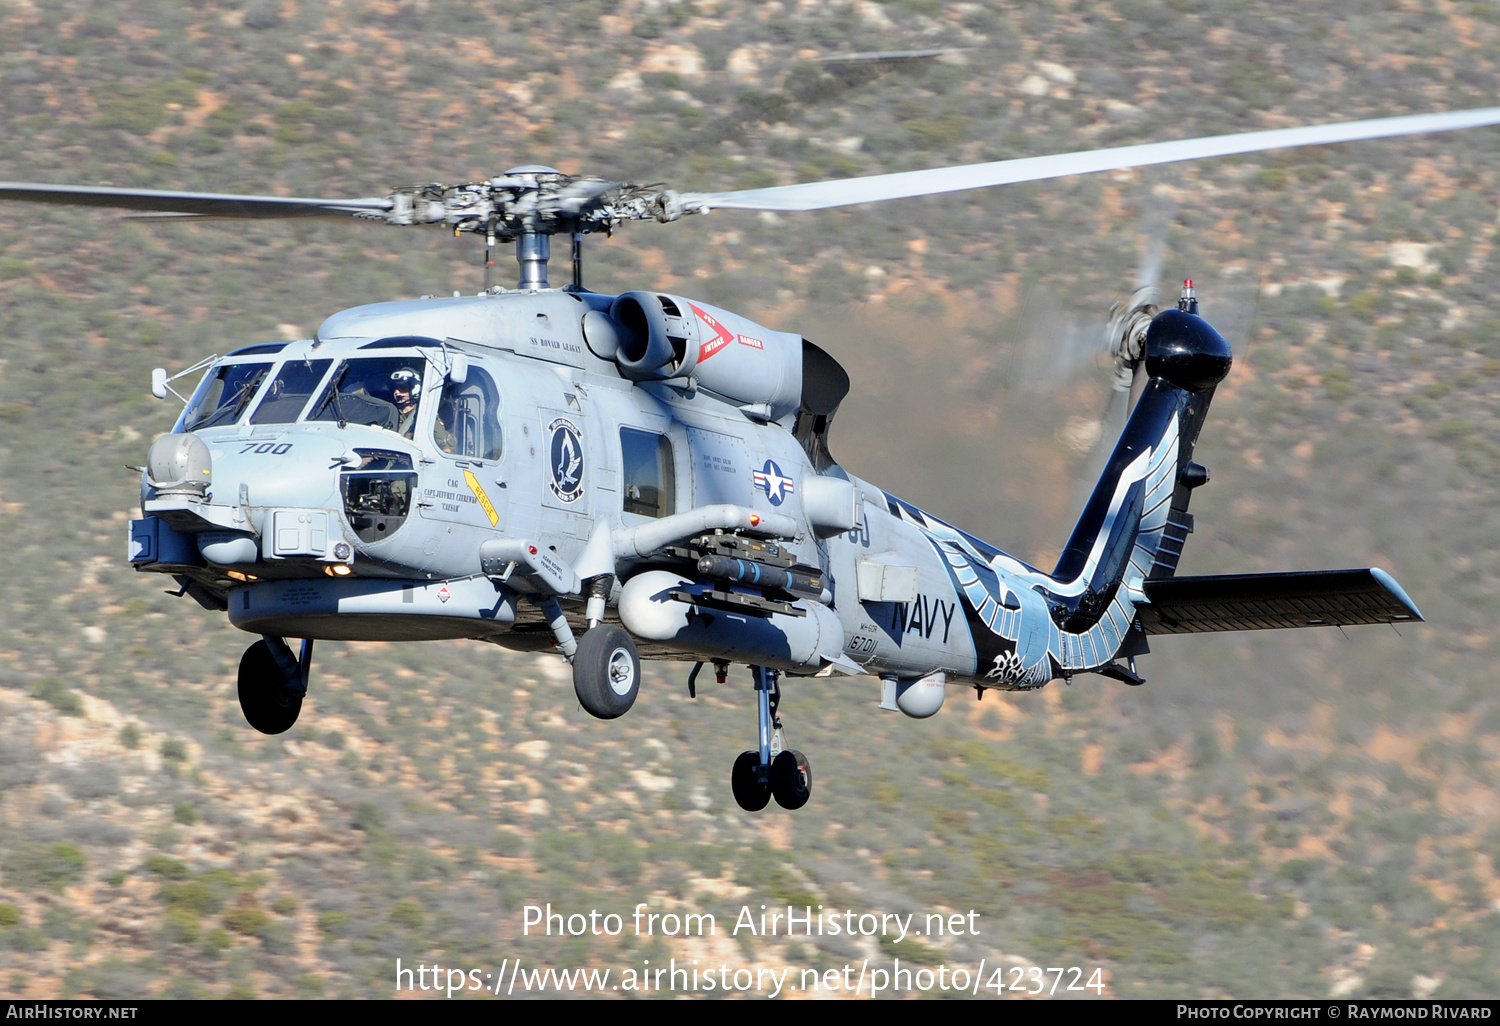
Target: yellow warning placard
(484, 500)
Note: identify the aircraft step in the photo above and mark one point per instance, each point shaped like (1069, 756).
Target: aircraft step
(1173, 537)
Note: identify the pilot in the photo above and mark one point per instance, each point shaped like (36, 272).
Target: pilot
(442, 429)
(406, 385)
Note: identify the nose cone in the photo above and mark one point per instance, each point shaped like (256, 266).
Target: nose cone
(295, 469)
(1185, 349)
(179, 464)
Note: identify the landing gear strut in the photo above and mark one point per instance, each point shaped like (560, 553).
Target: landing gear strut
(772, 771)
(272, 683)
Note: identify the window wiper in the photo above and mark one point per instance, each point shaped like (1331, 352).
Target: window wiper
(333, 399)
(229, 412)
(247, 392)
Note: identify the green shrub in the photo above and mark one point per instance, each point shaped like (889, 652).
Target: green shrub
(278, 938)
(134, 111)
(58, 695)
(1338, 383)
(181, 988)
(181, 925)
(32, 865)
(408, 913)
(508, 844)
(367, 818)
(204, 894)
(248, 920)
(139, 110)
(25, 938)
(165, 865)
(334, 922)
(309, 985)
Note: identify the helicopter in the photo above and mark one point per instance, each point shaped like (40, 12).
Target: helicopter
(613, 477)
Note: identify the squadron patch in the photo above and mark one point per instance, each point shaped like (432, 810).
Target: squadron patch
(566, 451)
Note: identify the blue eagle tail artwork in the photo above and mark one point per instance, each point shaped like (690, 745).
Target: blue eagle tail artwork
(1115, 582)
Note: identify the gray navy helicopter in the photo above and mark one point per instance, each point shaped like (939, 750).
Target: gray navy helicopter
(618, 476)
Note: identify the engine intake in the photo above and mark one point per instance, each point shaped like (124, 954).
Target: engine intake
(655, 337)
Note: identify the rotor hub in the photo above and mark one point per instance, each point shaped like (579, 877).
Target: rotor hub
(526, 205)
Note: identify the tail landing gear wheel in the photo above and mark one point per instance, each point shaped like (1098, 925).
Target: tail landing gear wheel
(606, 672)
(749, 790)
(791, 780)
(268, 704)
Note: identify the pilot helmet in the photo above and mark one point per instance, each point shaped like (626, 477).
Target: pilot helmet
(407, 378)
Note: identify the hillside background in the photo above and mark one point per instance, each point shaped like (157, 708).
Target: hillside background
(1303, 813)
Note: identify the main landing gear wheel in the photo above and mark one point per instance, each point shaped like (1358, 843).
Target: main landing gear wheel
(606, 672)
(750, 790)
(757, 776)
(270, 705)
(791, 779)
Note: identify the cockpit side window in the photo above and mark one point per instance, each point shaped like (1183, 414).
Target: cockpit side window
(468, 418)
(290, 390)
(384, 392)
(223, 395)
(650, 474)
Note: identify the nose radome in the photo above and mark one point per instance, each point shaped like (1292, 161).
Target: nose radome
(179, 465)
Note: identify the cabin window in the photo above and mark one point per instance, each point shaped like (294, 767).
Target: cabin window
(290, 390)
(650, 477)
(223, 395)
(468, 418)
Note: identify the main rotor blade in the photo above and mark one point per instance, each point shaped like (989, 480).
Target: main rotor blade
(210, 204)
(846, 191)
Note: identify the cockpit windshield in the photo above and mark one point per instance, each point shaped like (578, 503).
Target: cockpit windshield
(223, 395)
(383, 392)
(290, 390)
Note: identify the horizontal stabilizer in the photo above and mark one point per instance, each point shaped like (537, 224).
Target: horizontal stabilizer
(1254, 602)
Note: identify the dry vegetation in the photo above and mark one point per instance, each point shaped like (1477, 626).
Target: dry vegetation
(1288, 815)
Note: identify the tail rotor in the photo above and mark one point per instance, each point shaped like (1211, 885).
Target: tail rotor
(1125, 341)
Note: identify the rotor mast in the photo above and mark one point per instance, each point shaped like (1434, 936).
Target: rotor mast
(533, 250)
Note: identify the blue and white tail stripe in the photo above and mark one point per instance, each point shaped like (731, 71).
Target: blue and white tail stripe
(986, 597)
(1010, 606)
(1157, 468)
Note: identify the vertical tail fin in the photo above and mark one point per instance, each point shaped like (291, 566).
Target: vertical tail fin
(1127, 528)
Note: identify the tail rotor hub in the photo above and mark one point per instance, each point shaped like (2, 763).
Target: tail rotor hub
(1128, 323)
